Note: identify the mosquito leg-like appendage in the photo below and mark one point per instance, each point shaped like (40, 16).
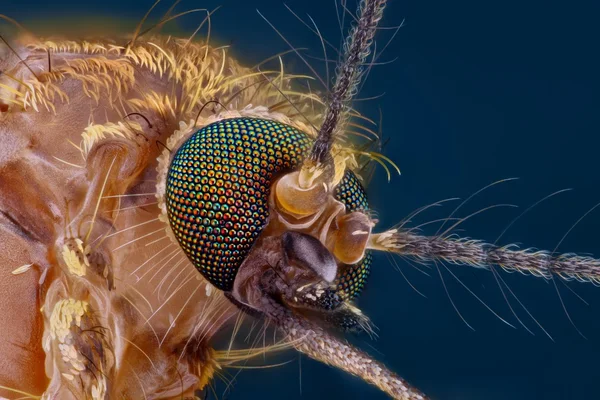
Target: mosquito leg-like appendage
(320, 345)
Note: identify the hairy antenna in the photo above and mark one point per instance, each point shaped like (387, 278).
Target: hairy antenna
(484, 255)
(349, 74)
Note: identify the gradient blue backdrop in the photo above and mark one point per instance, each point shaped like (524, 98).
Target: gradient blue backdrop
(481, 91)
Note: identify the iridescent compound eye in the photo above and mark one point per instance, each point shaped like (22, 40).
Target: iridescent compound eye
(217, 197)
(218, 187)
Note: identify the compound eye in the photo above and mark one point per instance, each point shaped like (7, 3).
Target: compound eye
(217, 190)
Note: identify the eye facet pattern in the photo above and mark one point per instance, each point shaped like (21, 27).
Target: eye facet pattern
(352, 193)
(218, 186)
(217, 197)
(351, 281)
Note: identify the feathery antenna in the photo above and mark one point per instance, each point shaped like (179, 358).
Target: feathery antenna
(349, 74)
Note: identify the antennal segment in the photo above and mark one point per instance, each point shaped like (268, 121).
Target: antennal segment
(349, 74)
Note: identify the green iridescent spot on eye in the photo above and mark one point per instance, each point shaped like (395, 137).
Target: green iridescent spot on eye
(352, 193)
(241, 199)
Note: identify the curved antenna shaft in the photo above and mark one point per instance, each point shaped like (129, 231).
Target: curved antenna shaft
(349, 74)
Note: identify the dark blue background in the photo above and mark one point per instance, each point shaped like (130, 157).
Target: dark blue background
(481, 91)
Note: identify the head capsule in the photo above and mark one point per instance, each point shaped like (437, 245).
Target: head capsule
(234, 188)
